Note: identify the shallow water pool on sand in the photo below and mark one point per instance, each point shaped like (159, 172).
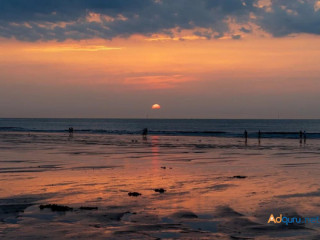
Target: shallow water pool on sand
(214, 187)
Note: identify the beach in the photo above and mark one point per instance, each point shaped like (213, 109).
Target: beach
(159, 119)
(213, 187)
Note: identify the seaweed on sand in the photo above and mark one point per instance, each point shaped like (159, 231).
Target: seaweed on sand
(56, 208)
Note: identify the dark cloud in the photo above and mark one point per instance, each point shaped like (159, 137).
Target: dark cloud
(32, 20)
(290, 17)
(236, 37)
(245, 30)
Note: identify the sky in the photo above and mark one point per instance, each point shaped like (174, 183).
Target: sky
(196, 59)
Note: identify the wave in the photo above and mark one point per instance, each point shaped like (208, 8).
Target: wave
(289, 135)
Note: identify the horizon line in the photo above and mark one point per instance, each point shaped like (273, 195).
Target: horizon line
(150, 118)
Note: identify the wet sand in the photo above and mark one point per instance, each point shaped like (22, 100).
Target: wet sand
(215, 188)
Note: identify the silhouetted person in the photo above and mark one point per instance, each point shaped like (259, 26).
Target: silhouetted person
(70, 131)
(304, 136)
(145, 133)
(300, 136)
(246, 135)
(259, 136)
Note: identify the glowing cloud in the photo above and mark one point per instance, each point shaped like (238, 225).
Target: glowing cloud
(156, 106)
(74, 49)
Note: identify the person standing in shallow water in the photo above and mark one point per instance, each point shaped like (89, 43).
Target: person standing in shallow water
(300, 136)
(145, 133)
(70, 131)
(246, 135)
(259, 136)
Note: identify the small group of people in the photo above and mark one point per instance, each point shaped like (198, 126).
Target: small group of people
(302, 135)
(246, 134)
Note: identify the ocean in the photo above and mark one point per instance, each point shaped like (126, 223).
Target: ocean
(277, 128)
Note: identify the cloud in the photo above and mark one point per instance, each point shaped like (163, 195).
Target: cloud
(59, 20)
(156, 81)
(73, 49)
(282, 18)
(245, 30)
(236, 37)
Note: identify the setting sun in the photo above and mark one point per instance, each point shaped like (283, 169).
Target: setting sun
(156, 106)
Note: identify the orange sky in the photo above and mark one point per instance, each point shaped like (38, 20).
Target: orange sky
(163, 71)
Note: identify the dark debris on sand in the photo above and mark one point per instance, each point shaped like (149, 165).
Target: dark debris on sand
(185, 214)
(160, 190)
(88, 208)
(134, 194)
(56, 208)
(239, 176)
(240, 238)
